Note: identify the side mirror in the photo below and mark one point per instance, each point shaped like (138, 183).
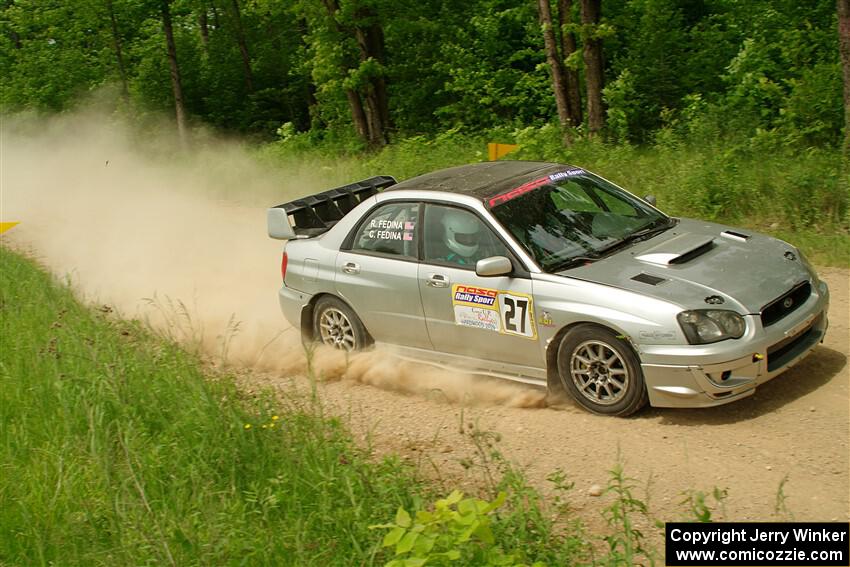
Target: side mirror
(650, 199)
(493, 266)
(278, 224)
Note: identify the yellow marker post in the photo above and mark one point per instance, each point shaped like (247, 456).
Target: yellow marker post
(4, 226)
(495, 151)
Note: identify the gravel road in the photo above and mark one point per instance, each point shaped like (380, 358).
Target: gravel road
(795, 427)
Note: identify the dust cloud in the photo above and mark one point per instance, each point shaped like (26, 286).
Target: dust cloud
(177, 238)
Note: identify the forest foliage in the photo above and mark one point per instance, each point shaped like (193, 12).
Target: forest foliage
(741, 68)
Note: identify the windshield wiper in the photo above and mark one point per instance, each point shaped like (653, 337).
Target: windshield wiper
(593, 256)
(570, 263)
(642, 234)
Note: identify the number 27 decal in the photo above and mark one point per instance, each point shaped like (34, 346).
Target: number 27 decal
(516, 314)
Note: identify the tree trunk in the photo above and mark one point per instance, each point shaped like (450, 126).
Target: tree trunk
(204, 26)
(553, 57)
(176, 85)
(375, 37)
(370, 41)
(844, 50)
(236, 18)
(116, 42)
(216, 22)
(593, 72)
(568, 47)
(358, 116)
(371, 122)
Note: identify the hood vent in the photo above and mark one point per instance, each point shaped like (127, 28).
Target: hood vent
(688, 256)
(732, 235)
(678, 250)
(648, 279)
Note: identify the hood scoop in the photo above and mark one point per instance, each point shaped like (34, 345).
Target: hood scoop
(733, 235)
(678, 250)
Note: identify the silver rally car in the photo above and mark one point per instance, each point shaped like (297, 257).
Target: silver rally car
(551, 275)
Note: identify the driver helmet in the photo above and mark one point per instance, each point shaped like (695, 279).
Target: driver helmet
(461, 232)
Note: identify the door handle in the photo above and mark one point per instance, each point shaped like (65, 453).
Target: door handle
(437, 280)
(351, 268)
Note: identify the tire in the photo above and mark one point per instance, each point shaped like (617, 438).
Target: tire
(335, 324)
(601, 371)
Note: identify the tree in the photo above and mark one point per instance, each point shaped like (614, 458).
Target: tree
(568, 48)
(236, 19)
(844, 48)
(370, 41)
(119, 57)
(176, 83)
(593, 70)
(556, 68)
(358, 49)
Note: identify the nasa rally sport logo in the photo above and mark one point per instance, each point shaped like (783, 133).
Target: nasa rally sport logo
(475, 295)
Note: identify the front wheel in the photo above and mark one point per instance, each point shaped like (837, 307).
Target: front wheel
(335, 324)
(601, 371)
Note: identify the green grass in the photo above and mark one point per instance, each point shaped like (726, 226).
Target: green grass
(799, 196)
(117, 449)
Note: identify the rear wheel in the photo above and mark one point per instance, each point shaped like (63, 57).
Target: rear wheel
(335, 324)
(601, 371)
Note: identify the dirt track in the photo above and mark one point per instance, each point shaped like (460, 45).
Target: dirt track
(797, 425)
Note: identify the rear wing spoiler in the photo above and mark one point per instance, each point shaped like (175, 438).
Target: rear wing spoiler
(315, 214)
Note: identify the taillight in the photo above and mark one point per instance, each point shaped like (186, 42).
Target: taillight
(283, 263)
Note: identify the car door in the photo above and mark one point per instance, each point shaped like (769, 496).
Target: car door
(466, 314)
(377, 274)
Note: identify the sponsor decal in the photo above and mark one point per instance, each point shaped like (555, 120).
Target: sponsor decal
(473, 295)
(505, 312)
(531, 185)
(545, 319)
(477, 317)
(565, 174)
(657, 335)
(521, 190)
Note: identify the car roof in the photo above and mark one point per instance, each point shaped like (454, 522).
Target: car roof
(481, 180)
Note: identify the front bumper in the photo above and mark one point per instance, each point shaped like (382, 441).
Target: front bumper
(719, 373)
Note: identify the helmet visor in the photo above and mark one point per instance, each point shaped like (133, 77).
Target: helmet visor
(466, 239)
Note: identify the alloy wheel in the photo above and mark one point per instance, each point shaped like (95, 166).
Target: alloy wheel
(599, 373)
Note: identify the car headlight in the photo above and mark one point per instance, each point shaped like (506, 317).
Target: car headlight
(703, 326)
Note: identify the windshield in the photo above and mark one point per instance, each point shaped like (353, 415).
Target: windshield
(574, 215)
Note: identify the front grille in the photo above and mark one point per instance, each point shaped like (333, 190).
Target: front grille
(785, 304)
(784, 351)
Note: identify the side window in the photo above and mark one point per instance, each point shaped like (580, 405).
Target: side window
(389, 229)
(458, 237)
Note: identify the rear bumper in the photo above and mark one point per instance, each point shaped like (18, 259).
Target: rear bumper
(292, 304)
(730, 370)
